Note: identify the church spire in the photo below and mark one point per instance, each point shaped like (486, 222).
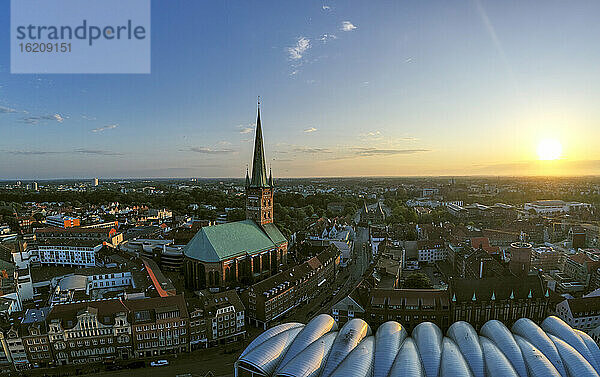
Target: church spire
(247, 178)
(270, 177)
(259, 169)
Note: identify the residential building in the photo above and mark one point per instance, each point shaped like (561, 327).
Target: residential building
(68, 252)
(431, 251)
(160, 326)
(580, 266)
(89, 331)
(216, 318)
(268, 300)
(546, 259)
(34, 332)
(581, 313)
(109, 235)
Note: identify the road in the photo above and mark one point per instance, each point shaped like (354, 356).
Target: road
(345, 281)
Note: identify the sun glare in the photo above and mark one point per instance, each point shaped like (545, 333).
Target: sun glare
(549, 149)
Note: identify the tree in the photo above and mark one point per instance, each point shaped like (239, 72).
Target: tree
(417, 280)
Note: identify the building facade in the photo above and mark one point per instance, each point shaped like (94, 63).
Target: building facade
(268, 300)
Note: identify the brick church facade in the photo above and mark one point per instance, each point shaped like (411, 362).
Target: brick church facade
(241, 252)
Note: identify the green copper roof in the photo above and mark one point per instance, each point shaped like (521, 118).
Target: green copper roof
(259, 167)
(221, 242)
(274, 234)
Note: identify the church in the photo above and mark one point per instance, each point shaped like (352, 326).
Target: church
(240, 252)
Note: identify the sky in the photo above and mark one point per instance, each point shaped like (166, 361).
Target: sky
(347, 88)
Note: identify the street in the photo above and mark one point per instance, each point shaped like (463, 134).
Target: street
(344, 284)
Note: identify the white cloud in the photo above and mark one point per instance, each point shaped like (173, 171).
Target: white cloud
(326, 7)
(309, 130)
(207, 150)
(348, 26)
(246, 129)
(6, 110)
(296, 52)
(327, 37)
(101, 129)
(33, 120)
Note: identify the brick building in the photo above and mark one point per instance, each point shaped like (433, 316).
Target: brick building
(268, 300)
(242, 251)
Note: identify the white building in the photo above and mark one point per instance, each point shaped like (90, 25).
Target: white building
(69, 288)
(431, 251)
(552, 207)
(580, 313)
(69, 253)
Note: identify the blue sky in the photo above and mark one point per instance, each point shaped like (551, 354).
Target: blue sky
(348, 88)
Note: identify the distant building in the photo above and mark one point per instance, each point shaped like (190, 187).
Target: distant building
(80, 253)
(374, 215)
(62, 221)
(101, 235)
(35, 186)
(546, 259)
(431, 251)
(555, 207)
(95, 182)
(577, 237)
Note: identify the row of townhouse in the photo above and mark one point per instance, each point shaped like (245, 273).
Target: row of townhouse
(97, 330)
(268, 300)
(93, 331)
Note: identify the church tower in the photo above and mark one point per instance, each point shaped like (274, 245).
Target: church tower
(259, 188)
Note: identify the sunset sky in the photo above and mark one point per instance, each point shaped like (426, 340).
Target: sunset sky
(348, 88)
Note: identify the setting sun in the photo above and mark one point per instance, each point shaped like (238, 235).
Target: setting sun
(549, 149)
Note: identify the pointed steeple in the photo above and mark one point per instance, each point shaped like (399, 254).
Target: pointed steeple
(473, 298)
(546, 294)
(529, 295)
(493, 296)
(454, 297)
(247, 178)
(512, 295)
(270, 177)
(259, 169)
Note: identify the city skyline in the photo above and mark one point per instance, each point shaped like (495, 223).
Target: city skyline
(347, 89)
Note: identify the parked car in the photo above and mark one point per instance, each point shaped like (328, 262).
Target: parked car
(159, 363)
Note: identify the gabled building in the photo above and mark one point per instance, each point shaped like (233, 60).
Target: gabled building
(159, 325)
(581, 313)
(34, 332)
(243, 251)
(216, 318)
(89, 331)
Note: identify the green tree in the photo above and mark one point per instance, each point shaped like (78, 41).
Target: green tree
(417, 280)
